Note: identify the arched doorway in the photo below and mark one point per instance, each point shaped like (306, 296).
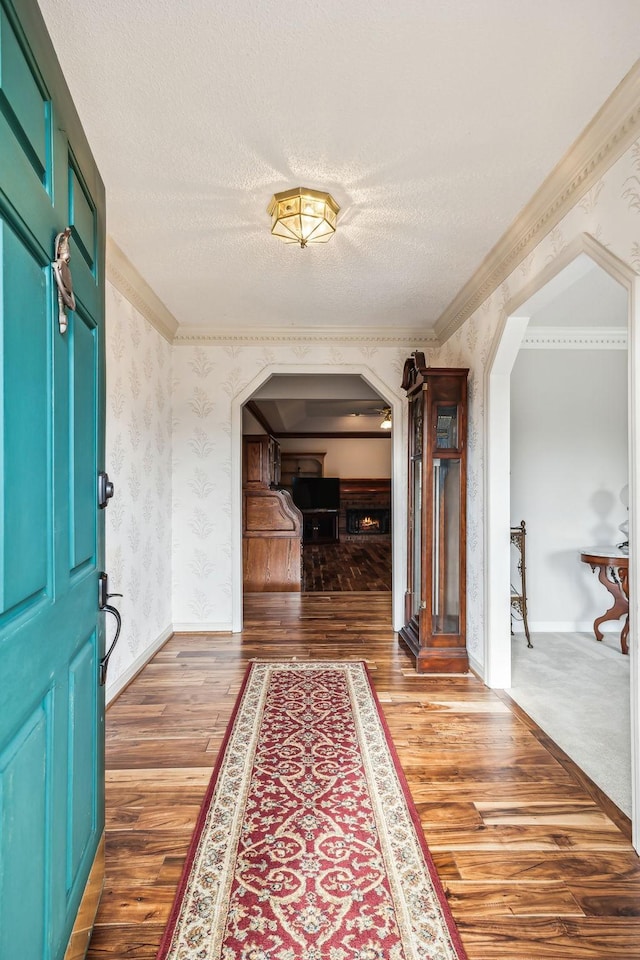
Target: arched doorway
(393, 400)
(497, 503)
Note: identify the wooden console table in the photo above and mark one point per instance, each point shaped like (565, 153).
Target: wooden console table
(613, 574)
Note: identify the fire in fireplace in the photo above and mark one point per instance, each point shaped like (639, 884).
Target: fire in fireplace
(369, 521)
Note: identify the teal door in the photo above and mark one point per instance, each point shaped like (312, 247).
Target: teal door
(51, 448)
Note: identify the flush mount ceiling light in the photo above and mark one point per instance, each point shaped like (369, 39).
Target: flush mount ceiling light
(386, 423)
(303, 216)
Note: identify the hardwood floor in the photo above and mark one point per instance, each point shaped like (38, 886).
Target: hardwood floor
(347, 565)
(535, 863)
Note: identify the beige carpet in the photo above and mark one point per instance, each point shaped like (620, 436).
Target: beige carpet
(577, 690)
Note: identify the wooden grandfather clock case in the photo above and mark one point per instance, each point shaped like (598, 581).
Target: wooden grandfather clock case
(435, 606)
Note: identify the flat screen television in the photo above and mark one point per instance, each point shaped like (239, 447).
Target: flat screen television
(316, 493)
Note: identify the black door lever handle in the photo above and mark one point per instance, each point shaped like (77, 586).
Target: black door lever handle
(103, 602)
(104, 663)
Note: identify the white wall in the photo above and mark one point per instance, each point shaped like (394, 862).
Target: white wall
(138, 460)
(350, 458)
(568, 465)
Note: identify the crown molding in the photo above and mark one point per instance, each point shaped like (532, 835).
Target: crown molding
(374, 336)
(126, 279)
(609, 134)
(575, 338)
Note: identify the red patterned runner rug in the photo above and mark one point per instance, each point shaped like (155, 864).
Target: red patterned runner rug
(308, 845)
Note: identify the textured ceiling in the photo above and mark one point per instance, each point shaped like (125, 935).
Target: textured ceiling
(319, 403)
(431, 122)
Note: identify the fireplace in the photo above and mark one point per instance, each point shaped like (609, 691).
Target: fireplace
(365, 509)
(369, 521)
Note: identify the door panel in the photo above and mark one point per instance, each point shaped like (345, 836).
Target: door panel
(83, 393)
(83, 731)
(82, 216)
(19, 791)
(51, 451)
(25, 424)
(23, 102)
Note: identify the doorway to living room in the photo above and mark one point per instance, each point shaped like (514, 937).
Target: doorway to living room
(337, 466)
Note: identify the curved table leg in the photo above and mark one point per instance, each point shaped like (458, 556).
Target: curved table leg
(620, 604)
(623, 574)
(624, 646)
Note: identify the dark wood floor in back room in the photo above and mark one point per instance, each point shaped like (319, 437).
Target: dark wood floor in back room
(537, 865)
(347, 565)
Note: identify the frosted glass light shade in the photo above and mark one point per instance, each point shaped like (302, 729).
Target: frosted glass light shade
(387, 422)
(303, 216)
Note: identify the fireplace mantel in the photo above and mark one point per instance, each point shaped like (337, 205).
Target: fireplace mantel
(363, 487)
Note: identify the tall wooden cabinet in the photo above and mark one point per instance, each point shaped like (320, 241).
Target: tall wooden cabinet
(260, 461)
(435, 605)
(271, 522)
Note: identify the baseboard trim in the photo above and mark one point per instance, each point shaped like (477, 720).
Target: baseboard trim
(567, 626)
(118, 685)
(476, 667)
(203, 627)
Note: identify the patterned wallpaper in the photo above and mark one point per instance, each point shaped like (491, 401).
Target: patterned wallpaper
(609, 212)
(138, 460)
(206, 380)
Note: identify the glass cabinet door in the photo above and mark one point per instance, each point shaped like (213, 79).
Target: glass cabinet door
(446, 426)
(416, 586)
(416, 440)
(445, 564)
